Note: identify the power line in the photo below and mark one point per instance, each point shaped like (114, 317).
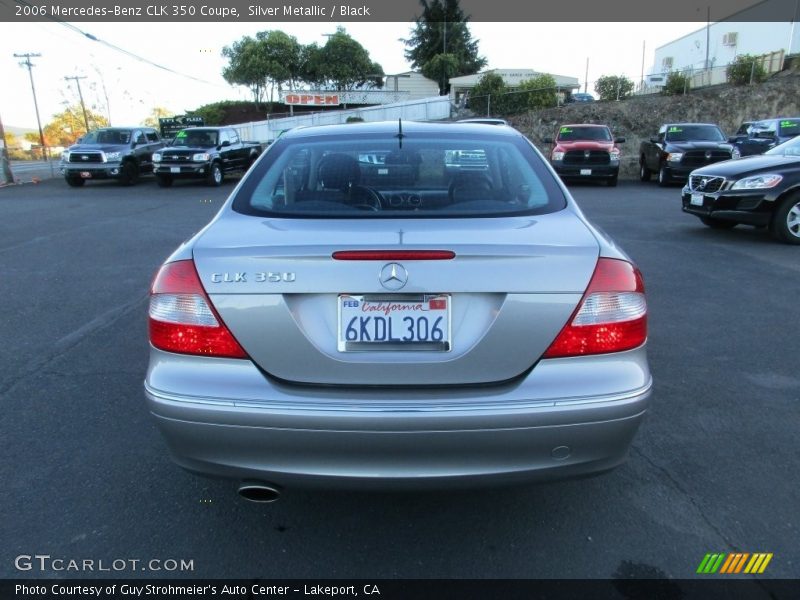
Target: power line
(132, 55)
(80, 95)
(27, 63)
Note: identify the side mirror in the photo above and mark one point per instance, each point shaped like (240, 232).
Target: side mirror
(654, 139)
(619, 140)
(225, 144)
(547, 140)
(733, 139)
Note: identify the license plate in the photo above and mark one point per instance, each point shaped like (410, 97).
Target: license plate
(697, 200)
(174, 169)
(586, 171)
(394, 323)
(86, 175)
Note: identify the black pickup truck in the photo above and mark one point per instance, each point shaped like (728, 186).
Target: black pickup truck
(679, 149)
(121, 153)
(208, 153)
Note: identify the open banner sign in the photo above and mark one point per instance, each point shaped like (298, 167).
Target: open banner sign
(311, 99)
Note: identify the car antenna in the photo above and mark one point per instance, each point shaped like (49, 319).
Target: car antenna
(400, 135)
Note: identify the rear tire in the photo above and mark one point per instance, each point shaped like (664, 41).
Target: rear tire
(164, 181)
(612, 182)
(129, 173)
(644, 172)
(718, 223)
(74, 181)
(215, 175)
(785, 226)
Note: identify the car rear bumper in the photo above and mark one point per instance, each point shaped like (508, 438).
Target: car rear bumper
(402, 438)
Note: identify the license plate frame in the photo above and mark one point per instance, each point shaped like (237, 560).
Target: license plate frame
(393, 342)
(697, 199)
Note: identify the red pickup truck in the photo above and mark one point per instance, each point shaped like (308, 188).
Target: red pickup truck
(585, 151)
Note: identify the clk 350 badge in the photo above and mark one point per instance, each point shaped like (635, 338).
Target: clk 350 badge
(259, 277)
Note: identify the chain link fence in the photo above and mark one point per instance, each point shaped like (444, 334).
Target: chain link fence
(670, 82)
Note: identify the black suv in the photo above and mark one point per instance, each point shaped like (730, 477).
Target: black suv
(207, 153)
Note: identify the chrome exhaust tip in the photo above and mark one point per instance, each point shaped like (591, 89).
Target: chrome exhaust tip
(258, 491)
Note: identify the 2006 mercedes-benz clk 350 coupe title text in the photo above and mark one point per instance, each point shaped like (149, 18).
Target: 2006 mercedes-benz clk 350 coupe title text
(357, 314)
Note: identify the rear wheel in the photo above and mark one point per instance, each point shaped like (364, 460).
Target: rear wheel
(612, 182)
(785, 225)
(718, 223)
(74, 181)
(163, 180)
(664, 178)
(644, 172)
(129, 173)
(215, 175)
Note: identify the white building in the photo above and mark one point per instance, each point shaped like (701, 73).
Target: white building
(511, 77)
(415, 84)
(726, 40)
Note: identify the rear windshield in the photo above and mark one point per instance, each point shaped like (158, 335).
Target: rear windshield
(107, 136)
(789, 127)
(694, 133)
(569, 134)
(376, 176)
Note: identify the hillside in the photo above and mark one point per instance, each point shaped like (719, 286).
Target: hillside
(639, 117)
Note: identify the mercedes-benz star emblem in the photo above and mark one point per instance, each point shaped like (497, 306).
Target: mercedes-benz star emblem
(393, 276)
(708, 154)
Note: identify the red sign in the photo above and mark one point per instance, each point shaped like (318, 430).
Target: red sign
(312, 99)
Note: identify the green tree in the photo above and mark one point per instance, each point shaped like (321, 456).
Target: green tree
(285, 59)
(488, 96)
(677, 83)
(746, 69)
(14, 148)
(442, 29)
(613, 87)
(67, 126)
(247, 66)
(342, 64)
(533, 94)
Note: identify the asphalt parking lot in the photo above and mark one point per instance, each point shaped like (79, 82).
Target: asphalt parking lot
(86, 475)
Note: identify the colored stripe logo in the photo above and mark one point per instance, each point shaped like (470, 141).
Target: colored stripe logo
(734, 562)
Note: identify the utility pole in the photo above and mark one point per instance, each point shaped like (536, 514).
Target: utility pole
(27, 63)
(708, 36)
(80, 95)
(586, 78)
(641, 82)
(5, 166)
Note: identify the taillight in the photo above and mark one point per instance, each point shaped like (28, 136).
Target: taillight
(611, 317)
(182, 318)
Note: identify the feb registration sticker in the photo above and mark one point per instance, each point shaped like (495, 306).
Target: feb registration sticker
(394, 323)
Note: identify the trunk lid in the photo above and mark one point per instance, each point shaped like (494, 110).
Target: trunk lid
(513, 284)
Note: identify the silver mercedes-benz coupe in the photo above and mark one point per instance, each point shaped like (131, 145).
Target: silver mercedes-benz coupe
(398, 305)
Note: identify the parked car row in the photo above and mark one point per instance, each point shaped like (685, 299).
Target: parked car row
(126, 153)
